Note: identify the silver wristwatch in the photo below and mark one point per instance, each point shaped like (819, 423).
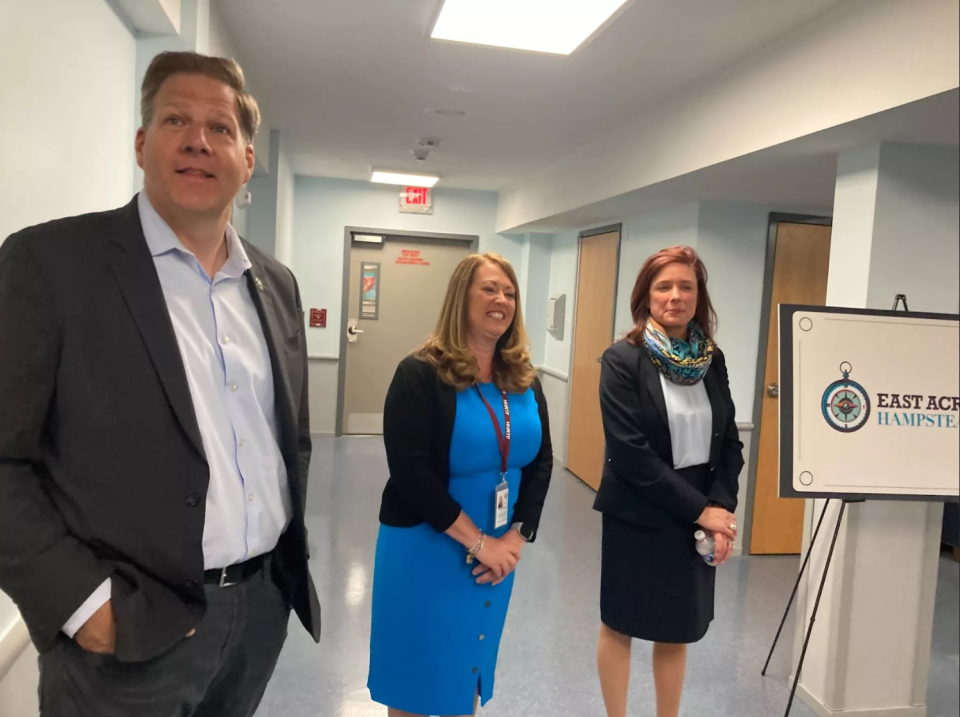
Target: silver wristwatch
(526, 532)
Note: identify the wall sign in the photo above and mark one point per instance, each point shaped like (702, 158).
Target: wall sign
(318, 318)
(369, 291)
(416, 200)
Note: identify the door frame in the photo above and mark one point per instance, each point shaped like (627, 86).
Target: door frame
(773, 222)
(473, 242)
(575, 305)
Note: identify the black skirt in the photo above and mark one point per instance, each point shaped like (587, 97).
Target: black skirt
(654, 585)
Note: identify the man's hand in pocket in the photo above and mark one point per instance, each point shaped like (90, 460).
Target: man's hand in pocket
(99, 633)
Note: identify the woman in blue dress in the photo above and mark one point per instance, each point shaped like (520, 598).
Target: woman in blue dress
(468, 446)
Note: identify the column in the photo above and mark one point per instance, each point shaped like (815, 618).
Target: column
(895, 232)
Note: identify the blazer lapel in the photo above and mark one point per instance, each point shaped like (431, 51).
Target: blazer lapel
(650, 377)
(136, 274)
(718, 408)
(260, 289)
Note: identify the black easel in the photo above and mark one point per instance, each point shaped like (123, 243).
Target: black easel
(900, 298)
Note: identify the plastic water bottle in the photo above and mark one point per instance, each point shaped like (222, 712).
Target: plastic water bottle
(706, 547)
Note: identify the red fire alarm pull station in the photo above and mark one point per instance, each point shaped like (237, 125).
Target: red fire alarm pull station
(318, 318)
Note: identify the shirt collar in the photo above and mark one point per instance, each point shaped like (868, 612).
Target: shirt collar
(161, 239)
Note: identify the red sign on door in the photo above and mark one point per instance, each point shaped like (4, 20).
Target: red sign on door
(318, 318)
(411, 257)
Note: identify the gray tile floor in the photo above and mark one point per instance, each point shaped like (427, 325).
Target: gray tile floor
(547, 657)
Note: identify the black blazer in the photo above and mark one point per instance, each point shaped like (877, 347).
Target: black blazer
(418, 423)
(639, 483)
(102, 468)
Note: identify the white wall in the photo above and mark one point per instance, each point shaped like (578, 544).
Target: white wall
(270, 218)
(285, 218)
(563, 280)
(239, 220)
(643, 235)
(219, 43)
(535, 291)
(919, 188)
(324, 207)
(65, 137)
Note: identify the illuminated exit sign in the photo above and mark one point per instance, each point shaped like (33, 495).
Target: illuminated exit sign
(416, 200)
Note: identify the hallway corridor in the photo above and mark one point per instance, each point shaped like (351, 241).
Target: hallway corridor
(547, 666)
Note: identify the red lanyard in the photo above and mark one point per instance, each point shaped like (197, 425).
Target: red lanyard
(503, 441)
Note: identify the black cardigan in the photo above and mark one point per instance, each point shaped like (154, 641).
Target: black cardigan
(418, 423)
(639, 483)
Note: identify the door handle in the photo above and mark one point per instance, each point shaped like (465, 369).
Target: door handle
(353, 333)
(773, 390)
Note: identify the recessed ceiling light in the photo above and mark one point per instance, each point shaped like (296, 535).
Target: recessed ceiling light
(404, 179)
(537, 25)
(445, 113)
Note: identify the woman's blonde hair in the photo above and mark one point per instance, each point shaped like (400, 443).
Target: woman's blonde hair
(447, 350)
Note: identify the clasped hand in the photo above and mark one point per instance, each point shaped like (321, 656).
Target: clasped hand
(721, 524)
(499, 558)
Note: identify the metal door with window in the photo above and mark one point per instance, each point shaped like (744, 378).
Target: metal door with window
(593, 334)
(801, 265)
(395, 295)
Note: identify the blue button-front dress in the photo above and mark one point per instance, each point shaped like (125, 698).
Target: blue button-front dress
(436, 633)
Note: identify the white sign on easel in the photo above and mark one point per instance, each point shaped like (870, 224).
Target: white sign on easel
(870, 404)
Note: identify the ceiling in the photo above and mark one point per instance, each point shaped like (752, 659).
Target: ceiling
(797, 174)
(350, 83)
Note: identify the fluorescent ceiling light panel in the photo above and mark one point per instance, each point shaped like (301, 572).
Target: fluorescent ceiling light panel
(405, 180)
(555, 26)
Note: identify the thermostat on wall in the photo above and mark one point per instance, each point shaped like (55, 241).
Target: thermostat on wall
(244, 198)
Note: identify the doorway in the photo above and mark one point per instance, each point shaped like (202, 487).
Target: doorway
(798, 265)
(394, 284)
(597, 277)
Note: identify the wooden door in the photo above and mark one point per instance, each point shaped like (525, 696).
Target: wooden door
(799, 277)
(593, 334)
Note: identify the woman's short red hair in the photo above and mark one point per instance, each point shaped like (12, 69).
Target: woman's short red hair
(705, 317)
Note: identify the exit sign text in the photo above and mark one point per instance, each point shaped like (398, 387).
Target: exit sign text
(416, 200)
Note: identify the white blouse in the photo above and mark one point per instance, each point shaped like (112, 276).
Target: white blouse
(691, 422)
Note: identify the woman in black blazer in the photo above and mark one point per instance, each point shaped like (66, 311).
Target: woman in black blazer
(672, 467)
(468, 446)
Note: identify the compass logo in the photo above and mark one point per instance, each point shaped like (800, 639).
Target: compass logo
(846, 404)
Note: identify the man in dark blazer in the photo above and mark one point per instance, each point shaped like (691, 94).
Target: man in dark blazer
(154, 434)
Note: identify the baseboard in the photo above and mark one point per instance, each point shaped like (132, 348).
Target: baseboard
(822, 710)
(12, 645)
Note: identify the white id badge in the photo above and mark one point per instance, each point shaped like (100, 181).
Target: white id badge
(502, 503)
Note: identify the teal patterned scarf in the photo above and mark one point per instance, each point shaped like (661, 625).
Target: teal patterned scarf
(682, 362)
